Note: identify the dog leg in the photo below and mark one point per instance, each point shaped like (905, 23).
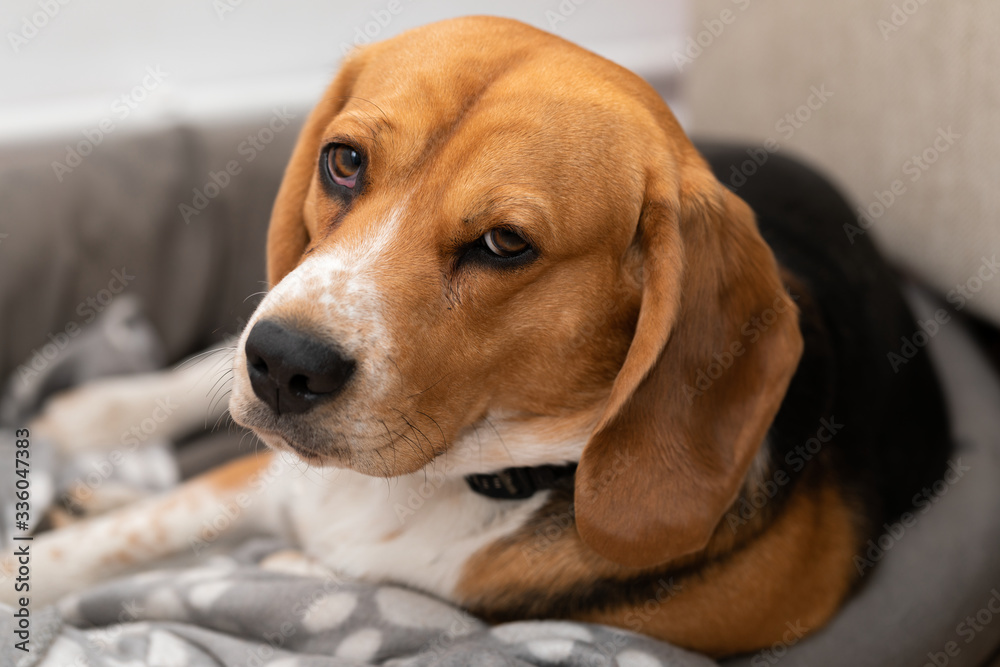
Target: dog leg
(240, 498)
(103, 414)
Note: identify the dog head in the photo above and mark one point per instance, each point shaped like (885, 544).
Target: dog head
(483, 230)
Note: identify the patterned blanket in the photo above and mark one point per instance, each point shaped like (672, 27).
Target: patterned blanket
(229, 610)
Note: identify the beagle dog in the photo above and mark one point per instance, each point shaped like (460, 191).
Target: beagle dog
(539, 361)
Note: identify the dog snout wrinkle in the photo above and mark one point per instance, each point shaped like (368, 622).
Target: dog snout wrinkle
(293, 371)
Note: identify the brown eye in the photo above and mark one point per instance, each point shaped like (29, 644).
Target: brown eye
(344, 164)
(505, 243)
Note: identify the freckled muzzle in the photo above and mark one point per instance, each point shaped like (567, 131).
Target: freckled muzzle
(292, 371)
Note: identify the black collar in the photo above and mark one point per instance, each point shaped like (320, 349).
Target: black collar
(519, 483)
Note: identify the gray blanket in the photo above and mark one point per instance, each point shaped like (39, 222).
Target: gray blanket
(229, 611)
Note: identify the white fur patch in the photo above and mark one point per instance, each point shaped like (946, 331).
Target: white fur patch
(497, 444)
(339, 285)
(415, 530)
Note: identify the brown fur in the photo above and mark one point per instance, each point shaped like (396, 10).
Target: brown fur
(647, 267)
(235, 474)
(733, 597)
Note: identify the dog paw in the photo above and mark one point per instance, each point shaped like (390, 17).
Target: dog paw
(42, 570)
(105, 414)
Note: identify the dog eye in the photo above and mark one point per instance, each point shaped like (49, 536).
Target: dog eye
(343, 163)
(505, 243)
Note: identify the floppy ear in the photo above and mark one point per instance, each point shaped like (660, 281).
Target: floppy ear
(287, 236)
(716, 344)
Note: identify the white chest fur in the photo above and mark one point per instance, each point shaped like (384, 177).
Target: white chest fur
(417, 530)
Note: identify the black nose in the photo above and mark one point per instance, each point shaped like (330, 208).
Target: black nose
(292, 371)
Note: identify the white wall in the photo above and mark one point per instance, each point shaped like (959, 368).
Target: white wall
(65, 67)
(908, 123)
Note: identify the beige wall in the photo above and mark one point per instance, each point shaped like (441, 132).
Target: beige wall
(890, 94)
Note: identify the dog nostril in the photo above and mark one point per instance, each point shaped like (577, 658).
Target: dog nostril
(316, 385)
(257, 364)
(300, 385)
(329, 383)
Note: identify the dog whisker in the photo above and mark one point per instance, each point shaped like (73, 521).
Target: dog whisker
(500, 438)
(431, 386)
(218, 401)
(250, 296)
(222, 417)
(224, 376)
(202, 356)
